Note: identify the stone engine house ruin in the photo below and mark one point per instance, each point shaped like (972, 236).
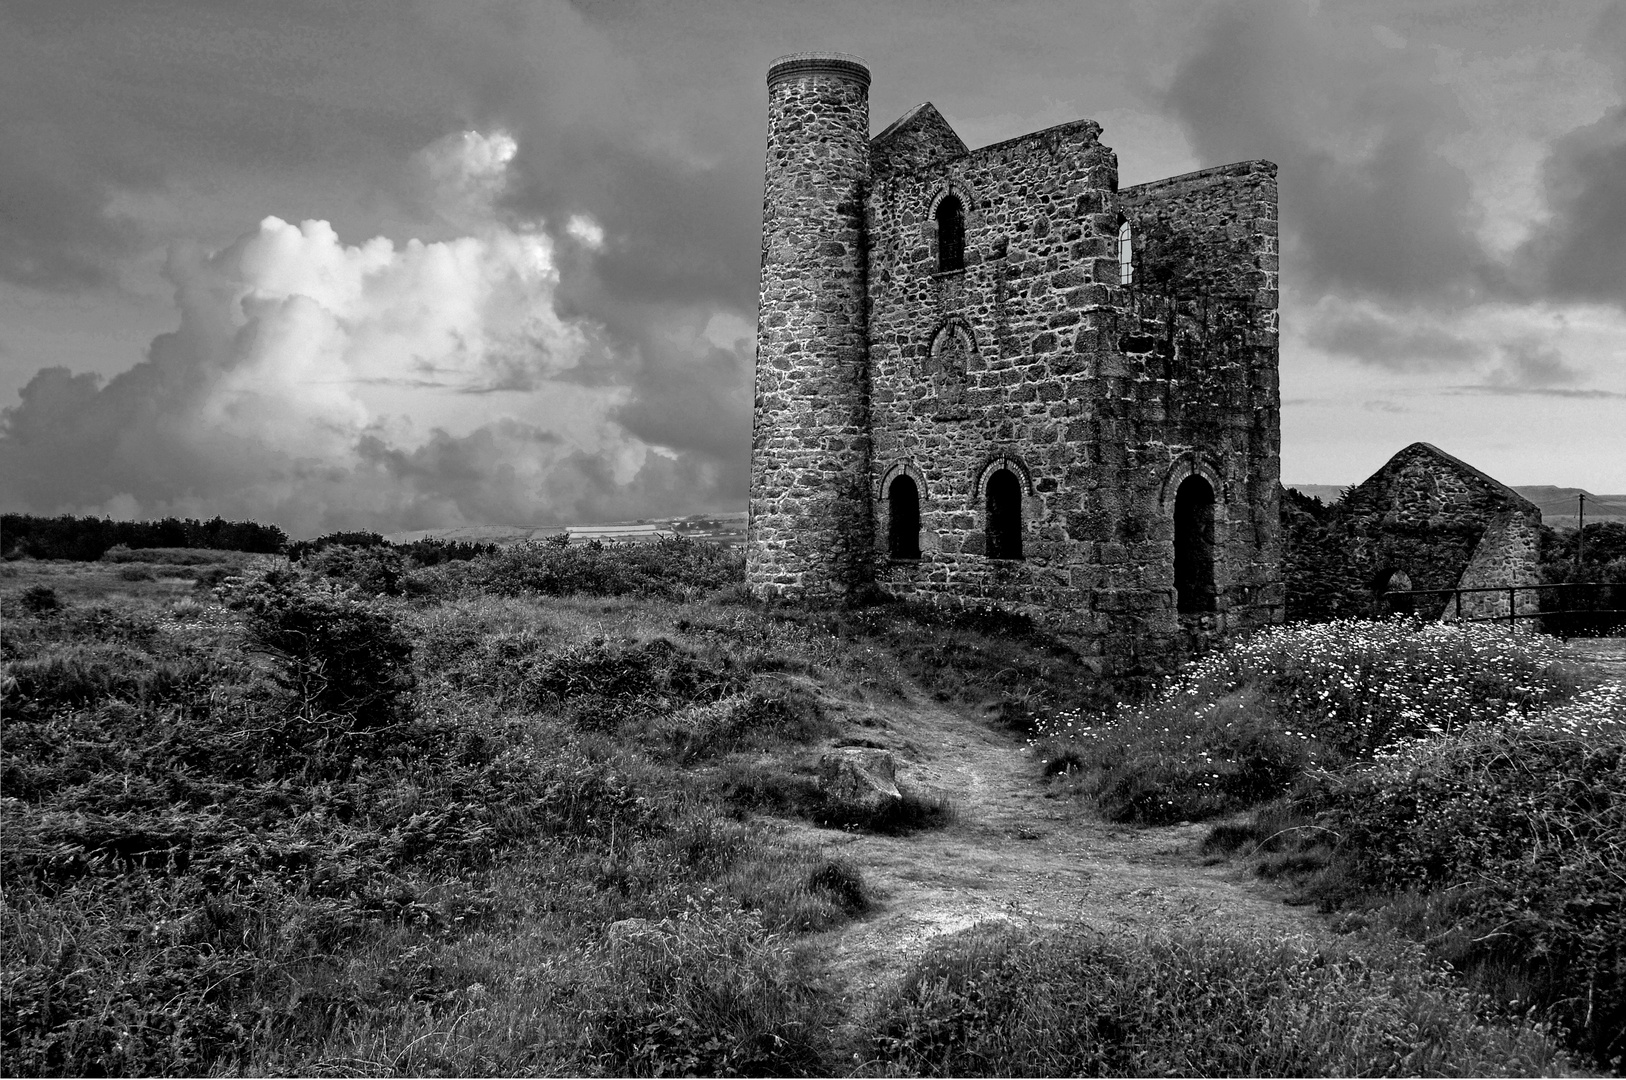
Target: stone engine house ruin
(994, 378)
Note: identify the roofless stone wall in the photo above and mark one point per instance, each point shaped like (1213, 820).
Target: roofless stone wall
(1425, 520)
(1026, 430)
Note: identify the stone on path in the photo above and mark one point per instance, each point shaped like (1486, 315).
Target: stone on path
(859, 780)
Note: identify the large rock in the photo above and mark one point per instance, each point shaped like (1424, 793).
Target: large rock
(860, 781)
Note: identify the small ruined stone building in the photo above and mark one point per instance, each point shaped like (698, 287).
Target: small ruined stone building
(992, 377)
(1425, 520)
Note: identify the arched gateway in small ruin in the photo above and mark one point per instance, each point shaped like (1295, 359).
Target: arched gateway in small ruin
(991, 377)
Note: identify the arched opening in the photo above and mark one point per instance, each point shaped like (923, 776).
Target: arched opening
(950, 234)
(1004, 515)
(1390, 585)
(1194, 546)
(1126, 255)
(903, 519)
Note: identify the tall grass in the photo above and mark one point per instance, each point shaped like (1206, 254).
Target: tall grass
(1001, 1000)
(281, 836)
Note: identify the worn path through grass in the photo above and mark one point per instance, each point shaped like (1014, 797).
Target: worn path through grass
(1012, 854)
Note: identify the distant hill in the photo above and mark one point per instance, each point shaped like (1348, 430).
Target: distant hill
(1557, 504)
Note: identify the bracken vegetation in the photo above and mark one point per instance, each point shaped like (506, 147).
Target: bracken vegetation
(1002, 1001)
(1458, 785)
(382, 810)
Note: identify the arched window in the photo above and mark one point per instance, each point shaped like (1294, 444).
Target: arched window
(1194, 546)
(950, 234)
(1392, 586)
(1004, 515)
(1126, 255)
(903, 519)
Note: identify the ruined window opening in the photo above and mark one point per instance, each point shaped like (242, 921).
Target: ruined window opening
(950, 234)
(903, 519)
(1194, 546)
(1126, 255)
(1004, 515)
(1389, 581)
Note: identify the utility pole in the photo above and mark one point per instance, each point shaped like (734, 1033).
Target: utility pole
(1580, 535)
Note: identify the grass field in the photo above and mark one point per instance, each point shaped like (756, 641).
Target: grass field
(526, 814)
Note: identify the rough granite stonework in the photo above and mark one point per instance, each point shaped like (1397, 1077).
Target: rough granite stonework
(809, 524)
(1099, 398)
(1508, 554)
(1429, 518)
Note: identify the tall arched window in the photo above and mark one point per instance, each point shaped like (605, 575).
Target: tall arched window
(950, 234)
(1194, 546)
(1004, 515)
(1126, 255)
(903, 519)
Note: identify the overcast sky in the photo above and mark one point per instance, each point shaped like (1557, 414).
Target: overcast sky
(412, 265)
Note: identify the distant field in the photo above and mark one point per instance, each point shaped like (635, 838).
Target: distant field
(724, 528)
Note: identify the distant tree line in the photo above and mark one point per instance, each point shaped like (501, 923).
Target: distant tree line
(88, 538)
(427, 552)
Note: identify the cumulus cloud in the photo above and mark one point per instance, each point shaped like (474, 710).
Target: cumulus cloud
(325, 385)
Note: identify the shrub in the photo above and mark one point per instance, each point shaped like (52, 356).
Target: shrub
(337, 655)
(1513, 839)
(1238, 727)
(673, 568)
(40, 600)
(1165, 763)
(432, 551)
(1078, 1003)
(376, 570)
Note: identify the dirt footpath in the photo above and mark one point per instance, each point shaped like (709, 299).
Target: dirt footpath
(1015, 855)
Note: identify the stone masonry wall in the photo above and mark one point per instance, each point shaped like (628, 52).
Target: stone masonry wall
(1203, 323)
(1422, 514)
(1508, 554)
(809, 529)
(1100, 397)
(1099, 415)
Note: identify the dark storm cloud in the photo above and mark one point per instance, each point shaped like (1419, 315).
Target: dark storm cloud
(1355, 125)
(58, 229)
(698, 400)
(1582, 248)
(1397, 344)
(107, 106)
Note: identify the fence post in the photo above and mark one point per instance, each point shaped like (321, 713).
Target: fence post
(1458, 594)
(1512, 608)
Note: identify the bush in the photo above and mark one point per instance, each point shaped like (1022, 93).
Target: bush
(673, 568)
(337, 655)
(1165, 764)
(1236, 728)
(1077, 1003)
(40, 600)
(373, 571)
(1512, 839)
